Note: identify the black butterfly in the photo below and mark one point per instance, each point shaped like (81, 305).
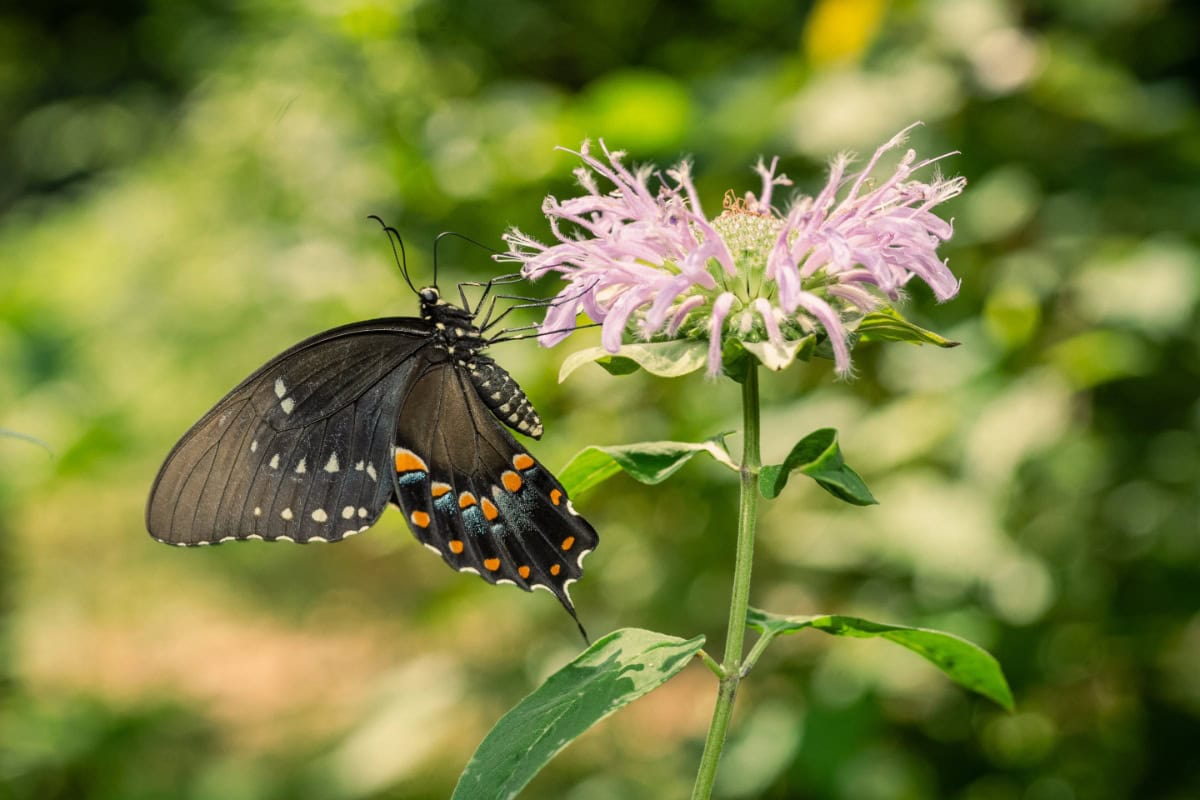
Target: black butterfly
(403, 410)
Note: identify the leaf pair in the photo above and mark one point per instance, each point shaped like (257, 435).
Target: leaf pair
(816, 455)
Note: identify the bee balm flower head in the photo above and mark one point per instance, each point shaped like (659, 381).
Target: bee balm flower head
(643, 259)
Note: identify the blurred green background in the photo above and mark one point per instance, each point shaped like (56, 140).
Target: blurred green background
(183, 193)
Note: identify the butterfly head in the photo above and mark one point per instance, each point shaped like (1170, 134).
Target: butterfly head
(430, 296)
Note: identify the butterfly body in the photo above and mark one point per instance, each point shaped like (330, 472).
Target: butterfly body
(407, 411)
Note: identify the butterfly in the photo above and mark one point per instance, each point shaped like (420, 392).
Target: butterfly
(406, 411)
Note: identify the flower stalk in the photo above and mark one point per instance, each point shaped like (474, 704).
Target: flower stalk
(740, 595)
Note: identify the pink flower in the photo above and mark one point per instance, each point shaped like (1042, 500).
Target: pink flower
(648, 262)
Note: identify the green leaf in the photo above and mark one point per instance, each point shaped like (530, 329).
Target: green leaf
(616, 670)
(819, 457)
(665, 359)
(964, 662)
(888, 326)
(646, 462)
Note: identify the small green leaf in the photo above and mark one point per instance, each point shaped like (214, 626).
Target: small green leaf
(964, 662)
(888, 326)
(665, 359)
(613, 672)
(617, 365)
(819, 457)
(646, 462)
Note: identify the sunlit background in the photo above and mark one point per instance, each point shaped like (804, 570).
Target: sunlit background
(183, 193)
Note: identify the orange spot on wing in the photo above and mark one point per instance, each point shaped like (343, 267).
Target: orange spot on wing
(491, 564)
(511, 481)
(522, 461)
(408, 461)
(523, 572)
(456, 546)
(466, 500)
(420, 519)
(438, 489)
(568, 543)
(489, 509)
(555, 496)
(555, 569)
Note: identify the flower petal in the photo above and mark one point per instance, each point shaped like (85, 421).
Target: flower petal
(832, 323)
(716, 323)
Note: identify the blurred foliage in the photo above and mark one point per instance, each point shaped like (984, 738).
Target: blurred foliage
(183, 187)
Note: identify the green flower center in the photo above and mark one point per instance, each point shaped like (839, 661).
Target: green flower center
(750, 237)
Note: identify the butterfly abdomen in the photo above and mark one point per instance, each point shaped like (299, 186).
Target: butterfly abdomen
(505, 397)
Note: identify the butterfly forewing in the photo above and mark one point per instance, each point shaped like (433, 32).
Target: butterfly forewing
(300, 450)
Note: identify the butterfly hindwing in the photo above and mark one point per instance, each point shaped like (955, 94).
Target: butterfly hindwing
(300, 450)
(471, 493)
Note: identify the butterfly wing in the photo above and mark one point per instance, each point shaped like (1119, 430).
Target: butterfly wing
(300, 450)
(472, 494)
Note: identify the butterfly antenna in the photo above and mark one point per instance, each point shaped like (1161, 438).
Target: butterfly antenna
(401, 257)
(438, 239)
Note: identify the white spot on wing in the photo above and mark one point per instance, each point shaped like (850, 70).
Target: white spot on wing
(287, 404)
(347, 512)
(471, 570)
(428, 546)
(358, 467)
(362, 512)
(571, 508)
(579, 560)
(541, 586)
(285, 539)
(254, 536)
(302, 467)
(257, 511)
(371, 471)
(280, 389)
(227, 538)
(505, 581)
(275, 461)
(286, 513)
(254, 446)
(332, 465)
(319, 515)
(320, 539)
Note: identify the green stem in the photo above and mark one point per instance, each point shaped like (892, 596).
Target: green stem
(755, 652)
(711, 663)
(736, 635)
